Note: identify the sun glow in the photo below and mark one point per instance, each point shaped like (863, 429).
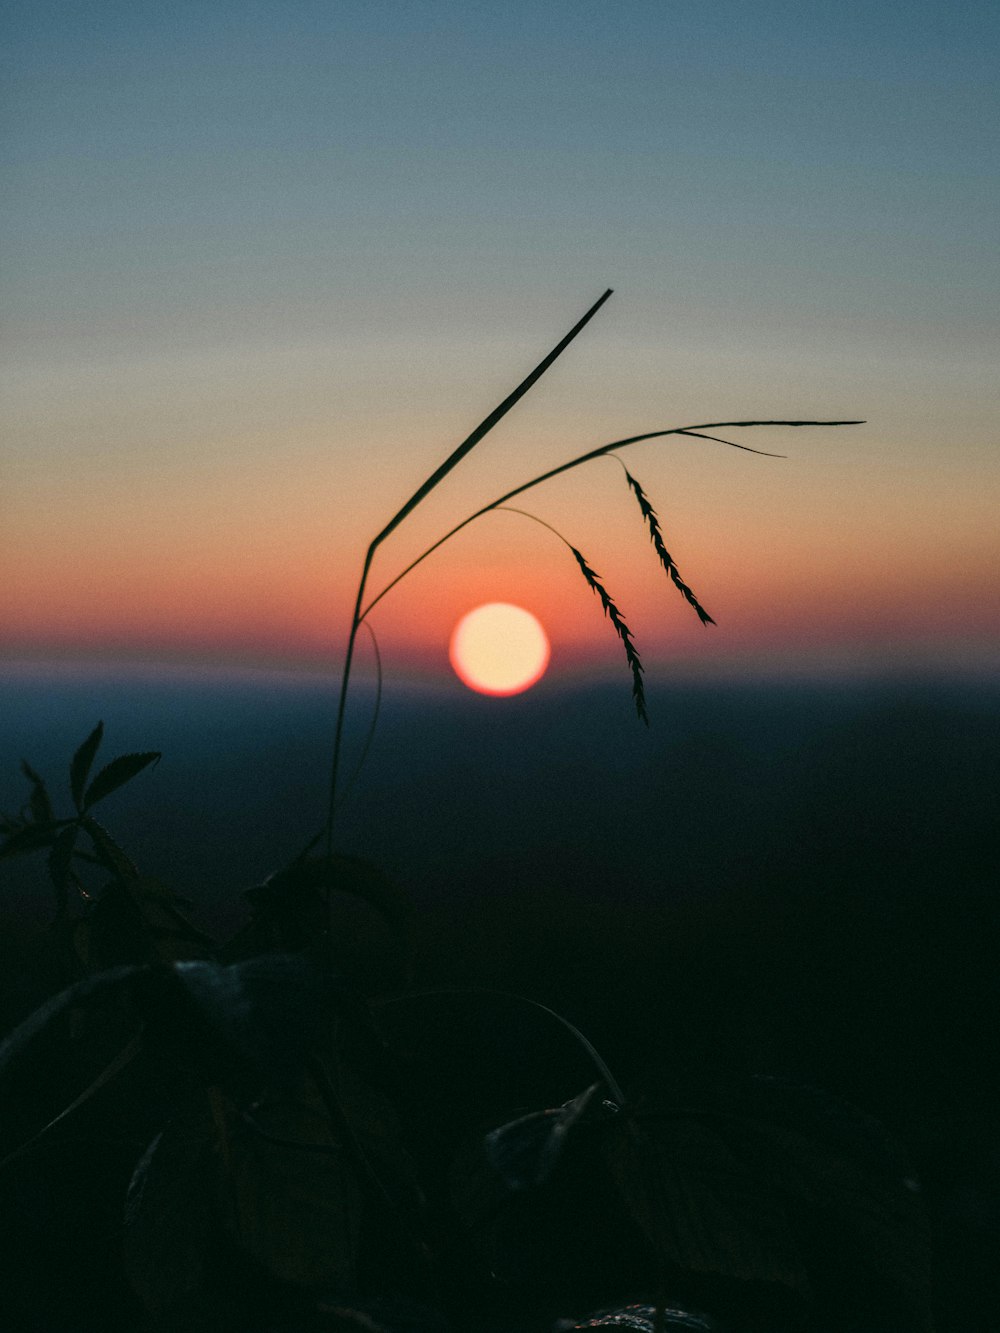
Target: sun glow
(499, 649)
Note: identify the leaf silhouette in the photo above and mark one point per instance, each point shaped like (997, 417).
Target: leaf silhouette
(701, 1207)
(116, 774)
(79, 769)
(39, 802)
(539, 1210)
(16, 1046)
(621, 629)
(111, 855)
(279, 1181)
(31, 838)
(296, 1212)
(137, 920)
(775, 1187)
(294, 906)
(260, 1018)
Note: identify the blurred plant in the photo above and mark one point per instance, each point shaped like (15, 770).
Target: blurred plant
(36, 826)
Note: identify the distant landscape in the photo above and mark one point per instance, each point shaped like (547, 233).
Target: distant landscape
(793, 878)
(777, 834)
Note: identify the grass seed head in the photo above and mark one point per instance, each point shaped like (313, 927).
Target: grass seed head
(621, 629)
(665, 558)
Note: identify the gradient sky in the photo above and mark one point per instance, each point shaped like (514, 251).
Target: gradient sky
(264, 265)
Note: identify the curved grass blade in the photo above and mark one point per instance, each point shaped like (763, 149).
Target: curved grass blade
(79, 769)
(621, 629)
(695, 432)
(18, 1050)
(487, 425)
(124, 1058)
(665, 558)
(438, 475)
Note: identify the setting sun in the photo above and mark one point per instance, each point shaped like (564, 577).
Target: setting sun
(499, 649)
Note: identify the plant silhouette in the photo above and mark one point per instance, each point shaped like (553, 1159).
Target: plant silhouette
(291, 1150)
(363, 608)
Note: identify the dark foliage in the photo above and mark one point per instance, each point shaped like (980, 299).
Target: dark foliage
(275, 1133)
(298, 1154)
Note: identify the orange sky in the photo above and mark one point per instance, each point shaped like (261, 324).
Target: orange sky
(835, 551)
(264, 270)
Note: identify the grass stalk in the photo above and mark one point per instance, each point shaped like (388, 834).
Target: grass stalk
(611, 610)
(693, 432)
(362, 608)
(421, 493)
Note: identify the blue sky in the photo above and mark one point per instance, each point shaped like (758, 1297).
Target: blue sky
(248, 240)
(301, 159)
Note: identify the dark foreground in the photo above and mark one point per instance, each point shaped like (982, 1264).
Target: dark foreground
(795, 882)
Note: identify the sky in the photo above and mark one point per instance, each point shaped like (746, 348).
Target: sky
(264, 266)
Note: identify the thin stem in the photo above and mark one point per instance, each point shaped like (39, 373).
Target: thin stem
(342, 705)
(487, 425)
(509, 509)
(318, 837)
(453, 459)
(124, 1057)
(349, 784)
(696, 432)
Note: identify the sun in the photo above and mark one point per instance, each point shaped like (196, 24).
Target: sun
(499, 649)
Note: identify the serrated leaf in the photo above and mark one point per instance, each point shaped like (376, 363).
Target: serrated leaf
(39, 802)
(31, 838)
(79, 769)
(60, 862)
(116, 774)
(111, 855)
